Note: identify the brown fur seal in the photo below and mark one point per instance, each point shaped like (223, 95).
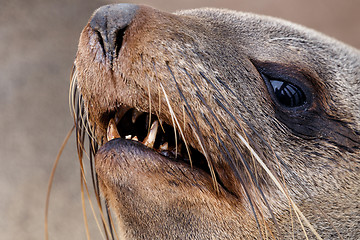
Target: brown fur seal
(215, 124)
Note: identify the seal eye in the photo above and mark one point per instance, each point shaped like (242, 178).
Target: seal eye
(290, 89)
(288, 94)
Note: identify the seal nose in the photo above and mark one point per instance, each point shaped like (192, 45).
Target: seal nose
(110, 23)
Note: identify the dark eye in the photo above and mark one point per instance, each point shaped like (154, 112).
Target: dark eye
(289, 88)
(288, 94)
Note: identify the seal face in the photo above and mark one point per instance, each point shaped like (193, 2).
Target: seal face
(215, 124)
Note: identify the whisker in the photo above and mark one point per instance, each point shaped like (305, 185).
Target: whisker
(248, 169)
(105, 226)
(92, 170)
(51, 180)
(279, 186)
(283, 164)
(83, 129)
(287, 193)
(149, 92)
(287, 39)
(229, 159)
(80, 135)
(158, 113)
(172, 114)
(109, 220)
(179, 127)
(76, 105)
(82, 182)
(235, 120)
(197, 132)
(112, 224)
(210, 165)
(72, 89)
(159, 102)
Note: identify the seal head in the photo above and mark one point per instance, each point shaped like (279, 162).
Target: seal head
(215, 124)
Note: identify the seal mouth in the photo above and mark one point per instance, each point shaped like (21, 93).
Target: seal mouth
(133, 125)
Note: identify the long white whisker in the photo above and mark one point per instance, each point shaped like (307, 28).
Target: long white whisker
(277, 183)
(178, 125)
(212, 172)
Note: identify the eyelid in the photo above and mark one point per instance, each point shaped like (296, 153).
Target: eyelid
(294, 82)
(292, 74)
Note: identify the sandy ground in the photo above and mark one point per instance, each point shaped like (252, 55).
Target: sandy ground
(38, 41)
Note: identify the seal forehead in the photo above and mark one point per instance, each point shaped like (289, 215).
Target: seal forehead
(253, 28)
(270, 39)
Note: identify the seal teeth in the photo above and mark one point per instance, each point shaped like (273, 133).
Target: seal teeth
(135, 138)
(112, 131)
(128, 137)
(164, 146)
(150, 138)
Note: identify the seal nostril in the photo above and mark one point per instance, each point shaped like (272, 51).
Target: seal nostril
(119, 40)
(101, 41)
(110, 22)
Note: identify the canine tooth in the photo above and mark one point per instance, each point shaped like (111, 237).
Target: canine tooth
(135, 115)
(164, 146)
(128, 137)
(112, 131)
(150, 138)
(135, 138)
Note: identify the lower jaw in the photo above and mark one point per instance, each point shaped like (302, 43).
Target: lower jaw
(125, 163)
(144, 188)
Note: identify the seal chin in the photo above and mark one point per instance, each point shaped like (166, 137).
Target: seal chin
(130, 163)
(132, 176)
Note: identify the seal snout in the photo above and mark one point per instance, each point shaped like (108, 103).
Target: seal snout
(110, 23)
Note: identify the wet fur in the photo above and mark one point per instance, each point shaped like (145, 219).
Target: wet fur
(206, 63)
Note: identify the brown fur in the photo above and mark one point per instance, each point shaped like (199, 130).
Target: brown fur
(206, 63)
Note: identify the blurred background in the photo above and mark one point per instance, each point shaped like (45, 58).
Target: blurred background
(38, 42)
